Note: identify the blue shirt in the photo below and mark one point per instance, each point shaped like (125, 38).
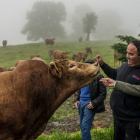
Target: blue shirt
(85, 94)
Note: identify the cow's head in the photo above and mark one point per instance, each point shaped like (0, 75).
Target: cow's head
(75, 74)
(66, 54)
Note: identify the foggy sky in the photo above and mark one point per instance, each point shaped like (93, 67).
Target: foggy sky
(13, 15)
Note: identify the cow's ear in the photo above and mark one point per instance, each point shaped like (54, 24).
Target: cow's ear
(54, 70)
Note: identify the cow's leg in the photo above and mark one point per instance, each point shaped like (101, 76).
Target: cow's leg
(119, 63)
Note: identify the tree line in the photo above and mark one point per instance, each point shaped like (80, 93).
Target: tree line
(45, 20)
(48, 19)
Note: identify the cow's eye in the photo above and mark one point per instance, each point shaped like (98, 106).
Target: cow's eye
(71, 66)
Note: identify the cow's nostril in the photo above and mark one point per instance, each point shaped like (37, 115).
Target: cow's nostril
(96, 64)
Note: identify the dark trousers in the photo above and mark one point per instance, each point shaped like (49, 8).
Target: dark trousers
(126, 130)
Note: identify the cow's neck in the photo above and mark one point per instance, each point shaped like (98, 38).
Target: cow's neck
(63, 93)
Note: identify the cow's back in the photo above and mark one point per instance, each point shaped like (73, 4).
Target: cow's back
(19, 62)
(57, 54)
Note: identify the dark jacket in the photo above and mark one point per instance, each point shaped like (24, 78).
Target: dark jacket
(125, 107)
(97, 93)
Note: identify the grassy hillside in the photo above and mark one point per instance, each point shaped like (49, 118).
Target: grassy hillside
(10, 54)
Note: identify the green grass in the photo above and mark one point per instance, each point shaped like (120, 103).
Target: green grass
(64, 111)
(96, 134)
(12, 53)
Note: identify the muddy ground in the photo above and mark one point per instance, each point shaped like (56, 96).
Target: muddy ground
(71, 124)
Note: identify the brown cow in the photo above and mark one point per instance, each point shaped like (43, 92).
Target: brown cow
(2, 69)
(32, 56)
(50, 53)
(75, 57)
(88, 50)
(82, 56)
(116, 55)
(39, 59)
(49, 41)
(11, 68)
(57, 54)
(80, 39)
(31, 94)
(19, 62)
(4, 43)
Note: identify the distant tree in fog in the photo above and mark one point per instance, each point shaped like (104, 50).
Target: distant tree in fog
(89, 23)
(44, 21)
(76, 20)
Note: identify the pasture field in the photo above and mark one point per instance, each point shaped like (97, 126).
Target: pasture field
(65, 114)
(12, 53)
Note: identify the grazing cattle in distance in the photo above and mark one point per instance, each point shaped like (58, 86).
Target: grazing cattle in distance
(57, 54)
(2, 69)
(32, 56)
(75, 57)
(31, 94)
(116, 55)
(11, 68)
(50, 53)
(49, 41)
(4, 43)
(82, 56)
(88, 50)
(80, 39)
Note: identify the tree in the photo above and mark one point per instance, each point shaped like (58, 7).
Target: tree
(44, 21)
(121, 47)
(89, 22)
(76, 20)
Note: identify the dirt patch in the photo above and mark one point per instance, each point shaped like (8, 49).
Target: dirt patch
(72, 124)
